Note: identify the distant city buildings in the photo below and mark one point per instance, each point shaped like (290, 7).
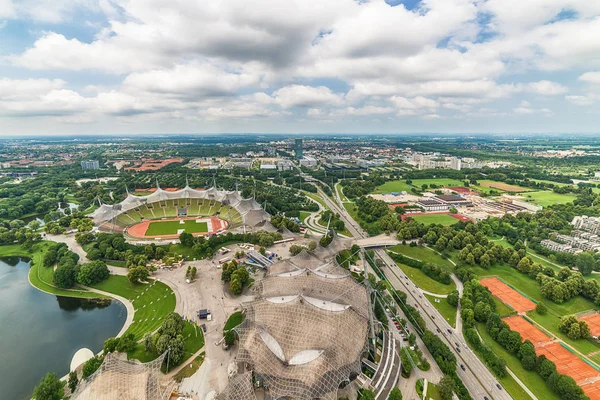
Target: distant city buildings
(585, 223)
(90, 164)
(308, 162)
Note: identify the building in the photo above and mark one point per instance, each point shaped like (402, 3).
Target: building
(308, 162)
(529, 206)
(284, 165)
(559, 247)
(298, 148)
(432, 204)
(455, 163)
(585, 223)
(90, 164)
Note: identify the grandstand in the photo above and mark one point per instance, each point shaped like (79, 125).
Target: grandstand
(187, 202)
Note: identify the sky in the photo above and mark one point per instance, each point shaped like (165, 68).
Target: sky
(299, 66)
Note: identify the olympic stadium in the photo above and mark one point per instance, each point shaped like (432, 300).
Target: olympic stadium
(165, 214)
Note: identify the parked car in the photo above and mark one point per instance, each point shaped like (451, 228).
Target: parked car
(462, 367)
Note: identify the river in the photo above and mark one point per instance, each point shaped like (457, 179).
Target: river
(40, 333)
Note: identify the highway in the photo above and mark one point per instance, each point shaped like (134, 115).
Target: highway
(476, 377)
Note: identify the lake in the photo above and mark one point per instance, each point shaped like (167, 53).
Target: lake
(40, 333)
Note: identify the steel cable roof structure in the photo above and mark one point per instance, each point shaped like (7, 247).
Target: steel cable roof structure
(252, 213)
(304, 335)
(118, 379)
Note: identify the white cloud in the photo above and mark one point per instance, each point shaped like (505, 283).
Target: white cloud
(580, 100)
(306, 96)
(591, 77)
(528, 111)
(546, 88)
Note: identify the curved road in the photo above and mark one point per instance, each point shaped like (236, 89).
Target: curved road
(477, 378)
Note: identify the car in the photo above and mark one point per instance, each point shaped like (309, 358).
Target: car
(498, 386)
(462, 367)
(438, 330)
(204, 327)
(398, 327)
(433, 317)
(457, 349)
(449, 330)
(485, 398)
(457, 344)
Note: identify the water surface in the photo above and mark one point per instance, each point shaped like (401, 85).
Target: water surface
(40, 333)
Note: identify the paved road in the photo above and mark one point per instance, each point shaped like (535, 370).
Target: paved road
(477, 378)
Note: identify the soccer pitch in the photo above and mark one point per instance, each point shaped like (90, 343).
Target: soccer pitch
(157, 228)
(443, 219)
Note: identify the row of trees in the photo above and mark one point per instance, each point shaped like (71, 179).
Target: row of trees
(574, 328)
(207, 247)
(281, 221)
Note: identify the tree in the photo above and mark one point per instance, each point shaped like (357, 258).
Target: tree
(91, 366)
(395, 394)
(126, 343)
(446, 387)
(73, 381)
(110, 345)
(453, 298)
(586, 263)
(148, 343)
(366, 394)
(235, 286)
(186, 239)
(65, 276)
(541, 308)
(193, 273)
(49, 388)
(137, 274)
(412, 339)
(92, 272)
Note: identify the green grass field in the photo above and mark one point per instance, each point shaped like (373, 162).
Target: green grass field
(447, 311)
(171, 227)
(151, 301)
(424, 254)
(425, 282)
(502, 309)
(442, 219)
(548, 198)
(39, 276)
(531, 379)
(234, 320)
(402, 186)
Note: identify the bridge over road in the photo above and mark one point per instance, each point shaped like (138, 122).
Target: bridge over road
(382, 240)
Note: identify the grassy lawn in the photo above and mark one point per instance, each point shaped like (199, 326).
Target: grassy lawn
(171, 227)
(531, 379)
(234, 320)
(504, 186)
(190, 369)
(502, 309)
(182, 250)
(531, 288)
(447, 311)
(39, 276)
(353, 211)
(442, 219)
(194, 341)
(424, 254)
(550, 322)
(548, 198)
(340, 192)
(558, 184)
(433, 392)
(303, 215)
(151, 301)
(425, 282)
(402, 186)
(316, 198)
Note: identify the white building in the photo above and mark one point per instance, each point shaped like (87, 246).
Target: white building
(308, 162)
(585, 223)
(90, 164)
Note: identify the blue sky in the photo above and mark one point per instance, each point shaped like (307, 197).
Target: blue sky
(174, 66)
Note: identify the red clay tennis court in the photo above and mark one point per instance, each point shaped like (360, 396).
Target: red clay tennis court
(508, 295)
(527, 330)
(567, 363)
(593, 321)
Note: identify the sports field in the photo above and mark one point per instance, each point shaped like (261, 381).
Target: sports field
(548, 198)
(402, 186)
(428, 219)
(508, 295)
(157, 228)
(504, 186)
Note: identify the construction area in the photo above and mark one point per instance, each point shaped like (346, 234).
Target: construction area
(508, 295)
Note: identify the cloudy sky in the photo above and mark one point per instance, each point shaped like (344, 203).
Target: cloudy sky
(161, 66)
